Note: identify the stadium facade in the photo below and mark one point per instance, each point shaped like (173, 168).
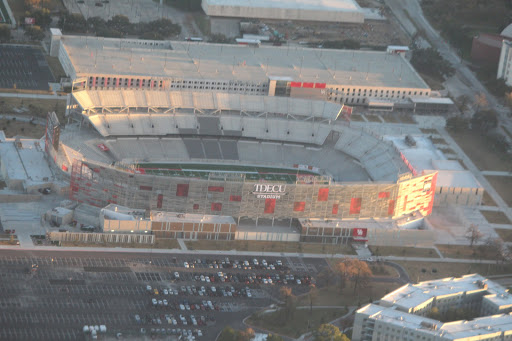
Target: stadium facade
(379, 80)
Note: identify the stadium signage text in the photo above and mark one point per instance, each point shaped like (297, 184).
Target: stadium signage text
(264, 191)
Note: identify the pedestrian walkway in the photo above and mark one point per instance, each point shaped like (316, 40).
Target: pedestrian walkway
(183, 246)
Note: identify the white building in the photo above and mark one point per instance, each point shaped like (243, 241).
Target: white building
(401, 315)
(505, 63)
(345, 11)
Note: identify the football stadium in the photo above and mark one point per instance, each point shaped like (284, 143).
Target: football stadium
(263, 159)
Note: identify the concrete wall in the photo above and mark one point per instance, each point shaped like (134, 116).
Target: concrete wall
(267, 236)
(397, 237)
(458, 196)
(226, 26)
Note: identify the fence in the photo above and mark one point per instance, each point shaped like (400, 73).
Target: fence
(100, 238)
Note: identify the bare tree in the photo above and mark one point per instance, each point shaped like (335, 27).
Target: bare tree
(481, 101)
(473, 234)
(495, 248)
(289, 302)
(356, 271)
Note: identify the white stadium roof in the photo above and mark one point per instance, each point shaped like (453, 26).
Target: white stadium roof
(224, 62)
(98, 99)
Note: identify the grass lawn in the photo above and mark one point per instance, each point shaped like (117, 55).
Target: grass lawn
(35, 106)
(428, 131)
(357, 118)
(487, 200)
(504, 234)
(495, 217)
(297, 325)
(423, 271)
(502, 185)
(159, 244)
(390, 118)
(483, 155)
(18, 128)
(373, 118)
(464, 252)
(403, 251)
(447, 151)
(264, 246)
(331, 295)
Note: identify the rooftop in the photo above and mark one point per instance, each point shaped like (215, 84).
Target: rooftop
(203, 61)
(324, 5)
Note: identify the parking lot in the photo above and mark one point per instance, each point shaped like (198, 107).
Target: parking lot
(24, 67)
(52, 297)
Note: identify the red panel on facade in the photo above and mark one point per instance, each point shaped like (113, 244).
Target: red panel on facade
(270, 205)
(296, 84)
(216, 206)
(383, 195)
(215, 189)
(196, 206)
(299, 206)
(64, 168)
(355, 205)
(323, 194)
(335, 209)
(320, 85)
(146, 188)
(235, 198)
(308, 85)
(391, 207)
(405, 203)
(182, 190)
(159, 201)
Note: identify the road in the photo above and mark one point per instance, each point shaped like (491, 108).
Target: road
(463, 74)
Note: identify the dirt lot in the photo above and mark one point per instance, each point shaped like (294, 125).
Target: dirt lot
(503, 185)
(372, 118)
(481, 153)
(487, 200)
(32, 107)
(495, 217)
(423, 271)
(18, 128)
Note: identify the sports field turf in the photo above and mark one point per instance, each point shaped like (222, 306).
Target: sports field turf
(202, 171)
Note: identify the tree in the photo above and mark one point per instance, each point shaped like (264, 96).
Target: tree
(245, 335)
(227, 334)
(5, 33)
(473, 234)
(481, 101)
(355, 270)
(289, 302)
(34, 33)
(326, 275)
(328, 332)
(430, 62)
(313, 293)
(274, 337)
(495, 248)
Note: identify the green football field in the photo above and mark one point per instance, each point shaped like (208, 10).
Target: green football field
(253, 173)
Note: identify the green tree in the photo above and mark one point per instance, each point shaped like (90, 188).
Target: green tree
(34, 33)
(227, 334)
(72, 22)
(328, 332)
(161, 28)
(430, 62)
(5, 33)
(484, 120)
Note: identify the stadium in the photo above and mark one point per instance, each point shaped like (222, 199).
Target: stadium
(263, 159)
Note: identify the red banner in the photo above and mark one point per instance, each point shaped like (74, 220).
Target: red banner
(216, 206)
(323, 194)
(182, 190)
(235, 198)
(270, 205)
(355, 205)
(308, 85)
(383, 195)
(296, 84)
(391, 207)
(335, 209)
(299, 206)
(215, 189)
(159, 200)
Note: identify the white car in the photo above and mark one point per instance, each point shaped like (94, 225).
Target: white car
(165, 303)
(207, 279)
(249, 295)
(202, 278)
(299, 282)
(177, 274)
(255, 261)
(182, 307)
(166, 292)
(155, 302)
(214, 290)
(264, 262)
(278, 262)
(186, 265)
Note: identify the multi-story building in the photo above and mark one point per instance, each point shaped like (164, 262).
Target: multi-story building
(402, 314)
